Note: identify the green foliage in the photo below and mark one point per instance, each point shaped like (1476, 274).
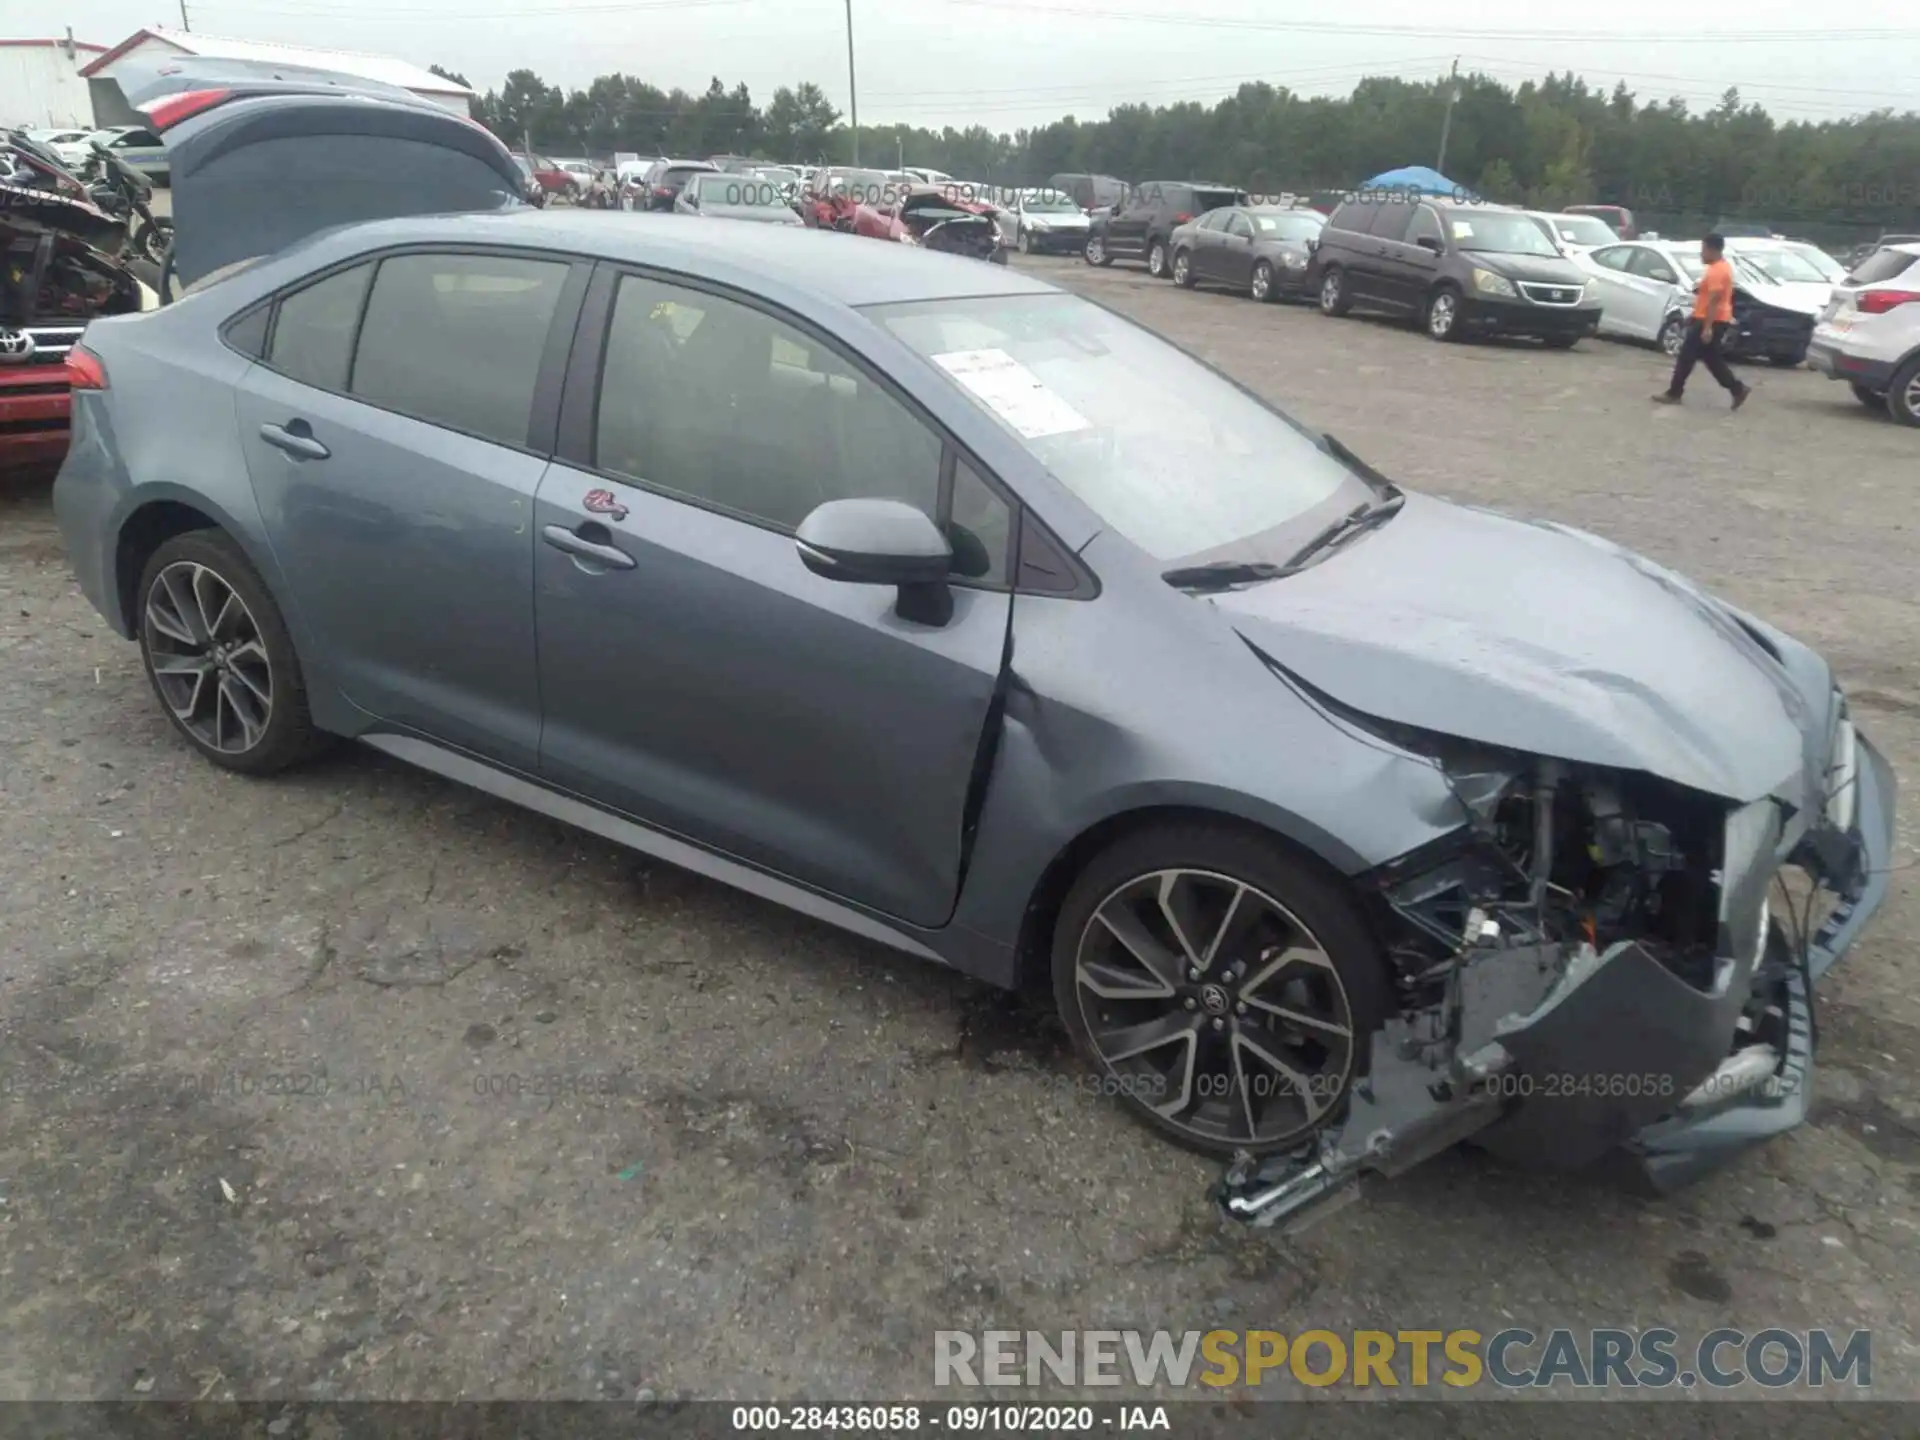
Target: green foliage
(1555, 141)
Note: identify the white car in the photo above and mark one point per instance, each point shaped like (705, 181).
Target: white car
(69, 146)
(1043, 222)
(1645, 289)
(929, 177)
(1869, 334)
(1786, 264)
(1574, 233)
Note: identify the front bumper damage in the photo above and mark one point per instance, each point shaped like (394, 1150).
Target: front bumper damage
(1561, 1056)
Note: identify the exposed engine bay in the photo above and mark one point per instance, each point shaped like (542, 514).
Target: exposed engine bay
(1593, 965)
(48, 277)
(922, 217)
(940, 226)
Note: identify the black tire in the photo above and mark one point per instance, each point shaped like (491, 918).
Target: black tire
(1334, 299)
(1673, 332)
(288, 735)
(1440, 317)
(1262, 286)
(1903, 395)
(1183, 275)
(1096, 251)
(1330, 925)
(1157, 259)
(1786, 362)
(1561, 342)
(1872, 399)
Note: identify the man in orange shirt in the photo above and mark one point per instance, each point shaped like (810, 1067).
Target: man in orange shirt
(1712, 318)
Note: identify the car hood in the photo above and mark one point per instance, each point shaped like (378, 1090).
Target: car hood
(1548, 270)
(1535, 638)
(1805, 296)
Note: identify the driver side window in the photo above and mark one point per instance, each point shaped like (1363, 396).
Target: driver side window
(1425, 226)
(1238, 224)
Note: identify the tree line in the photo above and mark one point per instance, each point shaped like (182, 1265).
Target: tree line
(1551, 142)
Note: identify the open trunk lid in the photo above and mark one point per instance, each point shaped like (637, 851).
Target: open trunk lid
(263, 156)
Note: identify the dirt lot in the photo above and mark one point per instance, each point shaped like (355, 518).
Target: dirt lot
(260, 1041)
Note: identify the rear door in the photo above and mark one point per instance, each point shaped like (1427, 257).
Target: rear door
(1344, 242)
(1208, 242)
(1127, 230)
(1393, 280)
(392, 431)
(695, 674)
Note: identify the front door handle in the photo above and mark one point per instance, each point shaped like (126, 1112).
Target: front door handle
(296, 438)
(587, 545)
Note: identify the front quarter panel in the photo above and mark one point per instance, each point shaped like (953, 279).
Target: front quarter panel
(1145, 698)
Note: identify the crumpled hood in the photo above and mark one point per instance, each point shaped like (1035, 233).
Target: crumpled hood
(1539, 639)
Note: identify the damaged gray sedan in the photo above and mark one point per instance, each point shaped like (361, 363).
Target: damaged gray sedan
(1344, 824)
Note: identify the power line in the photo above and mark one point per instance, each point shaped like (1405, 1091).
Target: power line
(1729, 36)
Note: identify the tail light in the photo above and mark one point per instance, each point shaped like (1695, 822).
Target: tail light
(1182, 218)
(85, 370)
(665, 192)
(1879, 302)
(165, 114)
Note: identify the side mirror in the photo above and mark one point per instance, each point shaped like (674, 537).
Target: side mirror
(1429, 242)
(882, 542)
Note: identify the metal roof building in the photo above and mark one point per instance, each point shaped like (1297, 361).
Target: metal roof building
(42, 84)
(110, 106)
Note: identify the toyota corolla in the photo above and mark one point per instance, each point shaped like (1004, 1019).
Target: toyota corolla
(1342, 823)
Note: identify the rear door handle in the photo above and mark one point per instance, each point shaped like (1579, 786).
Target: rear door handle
(588, 546)
(296, 438)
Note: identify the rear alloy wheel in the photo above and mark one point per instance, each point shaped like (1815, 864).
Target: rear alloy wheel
(1443, 314)
(1872, 399)
(1157, 259)
(1097, 251)
(1263, 282)
(219, 656)
(1333, 293)
(1228, 996)
(1903, 396)
(1183, 269)
(1673, 335)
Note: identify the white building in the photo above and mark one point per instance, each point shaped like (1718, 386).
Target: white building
(107, 101)
(42, 85)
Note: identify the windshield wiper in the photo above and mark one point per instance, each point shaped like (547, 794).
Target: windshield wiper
(1229, 574)
(1361, 517)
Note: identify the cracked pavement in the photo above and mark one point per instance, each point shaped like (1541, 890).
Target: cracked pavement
(505, 1112)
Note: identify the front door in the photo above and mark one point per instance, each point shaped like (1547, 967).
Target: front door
(694, 673)
(1234, 265)
(391, 463)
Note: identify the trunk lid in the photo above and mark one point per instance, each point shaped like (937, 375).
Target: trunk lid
(262, 156)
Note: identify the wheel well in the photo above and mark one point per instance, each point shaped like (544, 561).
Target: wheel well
(144, 532)
(1036, 926)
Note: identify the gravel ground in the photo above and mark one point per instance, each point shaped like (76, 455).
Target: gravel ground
(260, 1041)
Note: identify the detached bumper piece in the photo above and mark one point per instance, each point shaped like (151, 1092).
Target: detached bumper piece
(1559, 1057)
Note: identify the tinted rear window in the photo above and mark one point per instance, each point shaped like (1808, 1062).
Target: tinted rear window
(313, 333)
(458, 339)
(1882, 265)
(1214, 199)
(1354, 215)
(680, 174)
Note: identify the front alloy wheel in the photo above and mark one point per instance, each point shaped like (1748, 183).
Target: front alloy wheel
(1096, 250)
(1673, 335)
(1183, 270)
(1262, 281)
(1226, 1017)
(1443, 315)
(1157, 260)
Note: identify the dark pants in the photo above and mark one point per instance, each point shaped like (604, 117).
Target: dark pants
(1702, 346)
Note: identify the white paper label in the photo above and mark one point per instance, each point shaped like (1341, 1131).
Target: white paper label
(1013, 392)
(1461, 229)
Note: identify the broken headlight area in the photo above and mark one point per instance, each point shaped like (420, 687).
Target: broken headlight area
(1591, 966)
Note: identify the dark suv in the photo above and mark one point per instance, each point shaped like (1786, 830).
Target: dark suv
(1459, 269)
(1142, 228)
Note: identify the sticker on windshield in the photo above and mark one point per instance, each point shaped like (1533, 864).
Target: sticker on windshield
(1462, 229)
(1013, 392)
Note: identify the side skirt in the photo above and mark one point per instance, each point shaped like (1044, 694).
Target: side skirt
(635, 836)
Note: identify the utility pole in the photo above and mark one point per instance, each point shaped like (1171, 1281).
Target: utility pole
(185, 24)
(1446, 125)
(853, 95)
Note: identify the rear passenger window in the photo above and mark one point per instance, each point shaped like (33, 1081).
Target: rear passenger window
(1613, 257)
(1390, 221)
(725, 405)
(458, 340)
(313, 331)
(1883, 265)
(1354, 215)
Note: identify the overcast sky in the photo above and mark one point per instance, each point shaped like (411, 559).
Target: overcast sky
(1012, 63)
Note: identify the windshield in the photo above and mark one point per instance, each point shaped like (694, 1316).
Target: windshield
(1582, 230)
(1831, 270)
(864, 185)
(1294, 225)
(1049, 202)
(1787, 267)
(1494, 232)
(746, 190)
(1174, 457)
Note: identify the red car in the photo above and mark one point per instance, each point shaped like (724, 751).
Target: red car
(554, 178)
(922, 215)
(53, 280)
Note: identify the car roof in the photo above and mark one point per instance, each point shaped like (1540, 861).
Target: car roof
(847, 269)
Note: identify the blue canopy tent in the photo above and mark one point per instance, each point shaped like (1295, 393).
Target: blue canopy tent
(1421, 179)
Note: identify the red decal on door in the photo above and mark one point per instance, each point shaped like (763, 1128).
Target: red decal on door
(601, 502)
